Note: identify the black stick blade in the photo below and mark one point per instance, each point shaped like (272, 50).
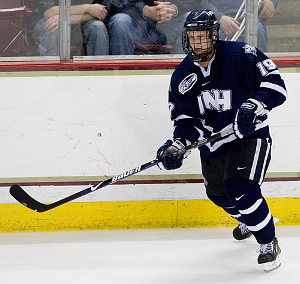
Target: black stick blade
(21, 196)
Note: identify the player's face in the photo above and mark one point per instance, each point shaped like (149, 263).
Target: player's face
(200, 41)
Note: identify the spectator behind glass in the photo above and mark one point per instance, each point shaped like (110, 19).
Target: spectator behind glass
(87, 27)
(133, 22)
(225, 11)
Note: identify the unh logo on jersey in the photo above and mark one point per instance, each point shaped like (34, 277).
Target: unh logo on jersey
(219, 100)
(187, 83)
(250, 49)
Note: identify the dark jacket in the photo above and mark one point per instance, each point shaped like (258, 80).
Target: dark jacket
(133, 8)
(184, 6)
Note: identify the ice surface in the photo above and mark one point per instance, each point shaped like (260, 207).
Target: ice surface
(143, 256)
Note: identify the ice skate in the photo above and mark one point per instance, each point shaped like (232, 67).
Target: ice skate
(241, 232)
(268, 255)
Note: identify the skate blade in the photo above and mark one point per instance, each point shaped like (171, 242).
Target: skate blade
(269, 266)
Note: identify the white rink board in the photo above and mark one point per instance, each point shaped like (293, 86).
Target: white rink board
(142, 192)
(105, 125)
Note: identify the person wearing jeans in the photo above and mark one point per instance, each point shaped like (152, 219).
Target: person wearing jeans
(87, 27)
(125, 32)
(135, 23)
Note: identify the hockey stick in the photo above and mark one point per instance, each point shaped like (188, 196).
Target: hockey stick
(24, 198)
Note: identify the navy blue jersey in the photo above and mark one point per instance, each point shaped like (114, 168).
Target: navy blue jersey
(203, 101)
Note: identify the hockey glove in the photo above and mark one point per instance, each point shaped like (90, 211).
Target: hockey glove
(246, 117)
(168, 157)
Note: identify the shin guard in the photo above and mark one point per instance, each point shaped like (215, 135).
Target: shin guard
(246, 196)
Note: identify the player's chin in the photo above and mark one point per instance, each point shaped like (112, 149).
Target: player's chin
(198, 51)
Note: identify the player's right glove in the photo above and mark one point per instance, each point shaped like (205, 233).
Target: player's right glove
(167, 155)
(246, 117)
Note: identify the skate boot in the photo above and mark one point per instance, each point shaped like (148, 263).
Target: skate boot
(241, 232)
(268, 255)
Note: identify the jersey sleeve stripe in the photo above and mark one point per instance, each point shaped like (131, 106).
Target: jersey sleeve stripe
(276, 72)
(219, 143)
(201, 133)
(182, 116)
(274, 87)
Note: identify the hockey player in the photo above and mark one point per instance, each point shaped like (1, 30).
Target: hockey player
(220, 85)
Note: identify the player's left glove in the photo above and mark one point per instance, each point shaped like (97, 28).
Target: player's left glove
(246, 117)
(168, 156)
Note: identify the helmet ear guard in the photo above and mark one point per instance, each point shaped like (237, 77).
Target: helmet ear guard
(203, 20)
